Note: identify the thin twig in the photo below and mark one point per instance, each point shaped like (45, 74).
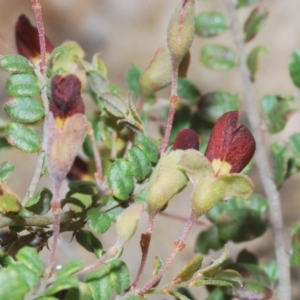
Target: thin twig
(262, 162)
(98, 175)
(179, 246)
(172, 108)
(37, 9)
(183, 219)
(144, 243)
(56, 209)
(40, 73)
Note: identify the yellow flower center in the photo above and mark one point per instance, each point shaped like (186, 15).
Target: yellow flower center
(221, 167)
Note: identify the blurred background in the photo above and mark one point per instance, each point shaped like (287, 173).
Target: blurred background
(129, 32)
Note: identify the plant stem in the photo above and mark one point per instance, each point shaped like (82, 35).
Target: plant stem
(37, 8)
(179, 246)
(172, 108)
(56, 208)
(262, 162)
(112, 252)
(144, 243)
(40, 73)
(98, 175)
(183, 219)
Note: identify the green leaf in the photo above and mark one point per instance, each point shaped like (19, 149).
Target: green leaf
(217, 57)
(278, 109)
(244, 3)
(70, 268)
(6, 260)
(252, 59)
(148, 147)
(257, 203)
(295, 143)
(230, 276)
(178, 295)
(25, 109)
(241, 225)
(70, 54)
(119, 275)
(4, 145)
(213, 105)
(295, 257)
(20, 85)
(209, 239)
(140, 166)
(29, 277)
(9, 202)
(247, 257)
(97, 83)
(185, 292)
(6, 169)
(23, 138)
(157, 267)
(253, 290)
(98, 221)
(255, 22)
(141, 196)
(119, 179)
(279, 156)
(271, 268)
(294, 67)
(114, 104)
(40, 204)
(99, 65)
(210, 24)
(15, 63)
(89, 242)
(187, 90)
(189, 269)
(61, 284)
(82, 187)
(217, 294)
(133, 75)
(99, 284)
(30, 258)
(12, 285)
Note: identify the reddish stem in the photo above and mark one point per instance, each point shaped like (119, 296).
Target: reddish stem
(140, 105)
(56, 208)
(183, 219)
(37, 9)
(145, 248)
(179, 246)
(172, 109)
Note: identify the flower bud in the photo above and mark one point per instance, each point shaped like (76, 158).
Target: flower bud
(127, 221)
(166, 181)
(181, 30)
(66, 123)
(27, 39)
(187, 139)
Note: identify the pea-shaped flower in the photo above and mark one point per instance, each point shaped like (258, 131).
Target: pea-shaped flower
(67, 125)
(214, 175)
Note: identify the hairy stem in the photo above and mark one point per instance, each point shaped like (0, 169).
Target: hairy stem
(179, 246)
(262, 162)
(98, 175)
(172, 108)
(56, 208)
(144, 243)
(112, 252)
(37, 8)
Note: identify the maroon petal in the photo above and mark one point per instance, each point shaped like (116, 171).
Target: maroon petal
(187, 139)
(65, 97)
(231, 142)
(79, 170)
(27, 39)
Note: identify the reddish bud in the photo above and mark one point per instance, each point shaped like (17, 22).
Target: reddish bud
(231, 145)
(65, 96)
(27, 39)
(187, 139)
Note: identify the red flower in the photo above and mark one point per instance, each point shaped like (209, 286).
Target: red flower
(65, 96)
(79, 170)
(231, 145)
(187, 139)
(27, 39)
